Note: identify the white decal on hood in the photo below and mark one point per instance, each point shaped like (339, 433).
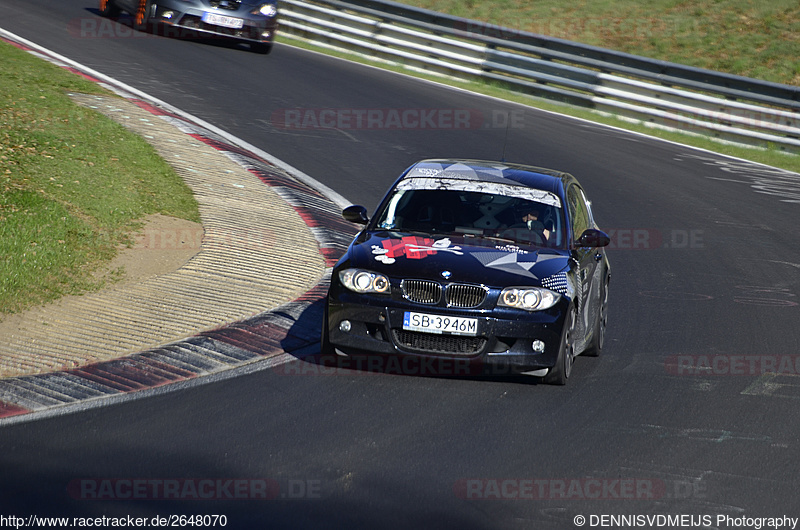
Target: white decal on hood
(512, 262)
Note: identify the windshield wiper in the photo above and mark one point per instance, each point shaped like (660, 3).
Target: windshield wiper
(492, 238)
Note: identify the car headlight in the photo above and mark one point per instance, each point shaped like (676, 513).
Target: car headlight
(361, 281)
(528, 298)
(268, 10)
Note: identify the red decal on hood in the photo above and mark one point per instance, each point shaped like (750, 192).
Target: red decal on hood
(412, 247)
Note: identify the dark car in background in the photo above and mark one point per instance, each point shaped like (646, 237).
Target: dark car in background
(251, 21)
(498, 265)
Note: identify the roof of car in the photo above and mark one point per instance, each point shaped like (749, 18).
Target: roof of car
(489, 171)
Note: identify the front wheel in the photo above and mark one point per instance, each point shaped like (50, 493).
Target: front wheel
(599, 331)
(108, 8)
(559, 373)
(325, 349)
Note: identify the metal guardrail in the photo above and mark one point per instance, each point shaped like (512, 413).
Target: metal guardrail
(728, 107)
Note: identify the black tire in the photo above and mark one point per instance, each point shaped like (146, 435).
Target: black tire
(325, 349)
(559, 373)
(599, 331)
(108, 8)
(264, 48)
(141, 19)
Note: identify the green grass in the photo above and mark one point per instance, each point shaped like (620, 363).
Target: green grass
(73, 185)
(743, 37)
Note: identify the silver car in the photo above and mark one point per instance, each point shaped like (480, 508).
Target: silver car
(251, 21)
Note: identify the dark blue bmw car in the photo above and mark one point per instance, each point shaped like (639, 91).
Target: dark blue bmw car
(496, 265)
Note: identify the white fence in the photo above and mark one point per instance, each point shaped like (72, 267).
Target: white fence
(727, 107)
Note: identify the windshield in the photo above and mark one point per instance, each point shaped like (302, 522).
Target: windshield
(524, 216)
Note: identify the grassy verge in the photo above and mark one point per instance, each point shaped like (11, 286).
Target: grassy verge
(743, 37)
(73, 185)
(772, 157)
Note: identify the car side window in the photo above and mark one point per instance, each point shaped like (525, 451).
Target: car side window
(588, 203)
(578, 211)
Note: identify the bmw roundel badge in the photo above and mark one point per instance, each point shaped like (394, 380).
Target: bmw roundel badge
(446, 275)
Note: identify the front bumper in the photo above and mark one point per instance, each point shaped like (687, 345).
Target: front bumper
(254, 29)
(503, 344)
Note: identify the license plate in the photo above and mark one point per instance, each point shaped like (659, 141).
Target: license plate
(220, 20)
(439, 324)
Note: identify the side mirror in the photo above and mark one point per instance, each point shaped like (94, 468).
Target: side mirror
(592, 237)
(356, 214)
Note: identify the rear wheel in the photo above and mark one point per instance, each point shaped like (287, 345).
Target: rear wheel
(599, 331)
(142, 15)
(108, 8)
(559, 373)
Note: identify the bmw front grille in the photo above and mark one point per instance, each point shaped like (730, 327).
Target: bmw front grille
(461, 295)
(422, 291)
(430, 292)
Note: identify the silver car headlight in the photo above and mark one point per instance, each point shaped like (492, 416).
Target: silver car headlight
(361, 281)
(268, 10)
(528, 298)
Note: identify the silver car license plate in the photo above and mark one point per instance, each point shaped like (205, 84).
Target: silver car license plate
(221, 20)
(439, 324)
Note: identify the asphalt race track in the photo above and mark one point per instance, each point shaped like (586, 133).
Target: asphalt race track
(691, 410)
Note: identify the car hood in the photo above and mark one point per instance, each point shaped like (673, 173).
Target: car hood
(457, 259)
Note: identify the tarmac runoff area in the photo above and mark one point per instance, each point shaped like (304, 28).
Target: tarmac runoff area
(252, 291)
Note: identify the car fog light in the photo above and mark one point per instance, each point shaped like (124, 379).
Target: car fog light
(167, 15)
(345, 326)
(538, 346)
(266, 34)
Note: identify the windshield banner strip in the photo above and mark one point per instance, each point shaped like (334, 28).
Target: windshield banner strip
(520, 192)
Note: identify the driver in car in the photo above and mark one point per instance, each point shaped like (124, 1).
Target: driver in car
(530, 228)
(532, 222)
